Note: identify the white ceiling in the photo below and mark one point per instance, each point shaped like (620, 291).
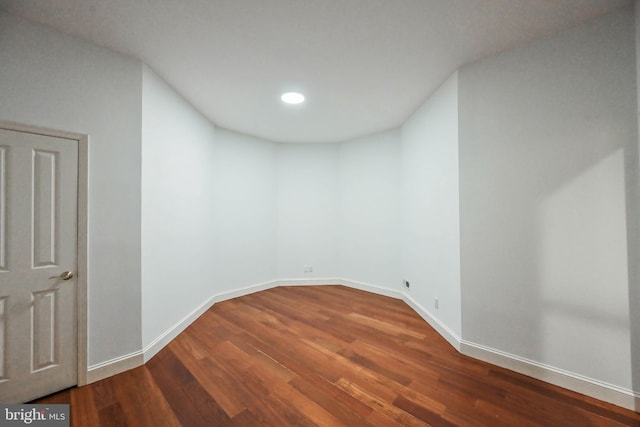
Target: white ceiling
(364, 65)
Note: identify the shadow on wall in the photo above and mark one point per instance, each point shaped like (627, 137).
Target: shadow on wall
(549, 239)
(632, 176)
(581, 267)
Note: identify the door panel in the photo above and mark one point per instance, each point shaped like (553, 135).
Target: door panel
(43, 326)
(38, 234)
(3, 209)
(3, 334)
(44, 208)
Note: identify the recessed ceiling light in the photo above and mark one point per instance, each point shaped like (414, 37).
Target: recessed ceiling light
(292, 98)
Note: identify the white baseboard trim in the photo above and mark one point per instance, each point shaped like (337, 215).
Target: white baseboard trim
(308, 282)
(580, 384)
(124, 363)
(387, 292)
(449, 335)
(240, 292)
(343, 282)
(114, 366)
(167, 336)
(584, 385)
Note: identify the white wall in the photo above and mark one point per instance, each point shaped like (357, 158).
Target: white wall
(52, 80)
(245, 218)
(430, 205)
(307, 210)
(543, 131)
(208, 209)
(368, 227)
(177, 207)
(633, 223)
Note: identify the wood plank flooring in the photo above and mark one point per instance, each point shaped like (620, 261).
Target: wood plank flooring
(324, 356)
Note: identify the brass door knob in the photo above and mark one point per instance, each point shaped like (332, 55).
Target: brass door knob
(65, 275)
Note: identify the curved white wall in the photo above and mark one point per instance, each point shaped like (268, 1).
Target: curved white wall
(208, 209)
(369, 203)
(306, 196)
(430, 243)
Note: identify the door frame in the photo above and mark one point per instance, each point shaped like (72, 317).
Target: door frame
(82, 232)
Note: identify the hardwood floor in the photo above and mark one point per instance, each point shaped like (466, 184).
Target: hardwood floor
(324, 356)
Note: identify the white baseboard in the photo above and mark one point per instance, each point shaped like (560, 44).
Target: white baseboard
(355, 284)
(584, 385)
(124, 363)
(580, 384)
(114, 366)
(240, 292)
(308, 282)
(167, 336)
(449, 335)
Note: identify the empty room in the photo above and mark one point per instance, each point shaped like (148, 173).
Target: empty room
(329, 213)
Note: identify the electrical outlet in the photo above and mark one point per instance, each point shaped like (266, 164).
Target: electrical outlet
(308, 269)
(436, 303)
(406, 284)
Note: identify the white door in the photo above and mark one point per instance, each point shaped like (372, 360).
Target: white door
(38, 235)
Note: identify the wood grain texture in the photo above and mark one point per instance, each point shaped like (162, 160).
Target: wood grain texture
(325, 356)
